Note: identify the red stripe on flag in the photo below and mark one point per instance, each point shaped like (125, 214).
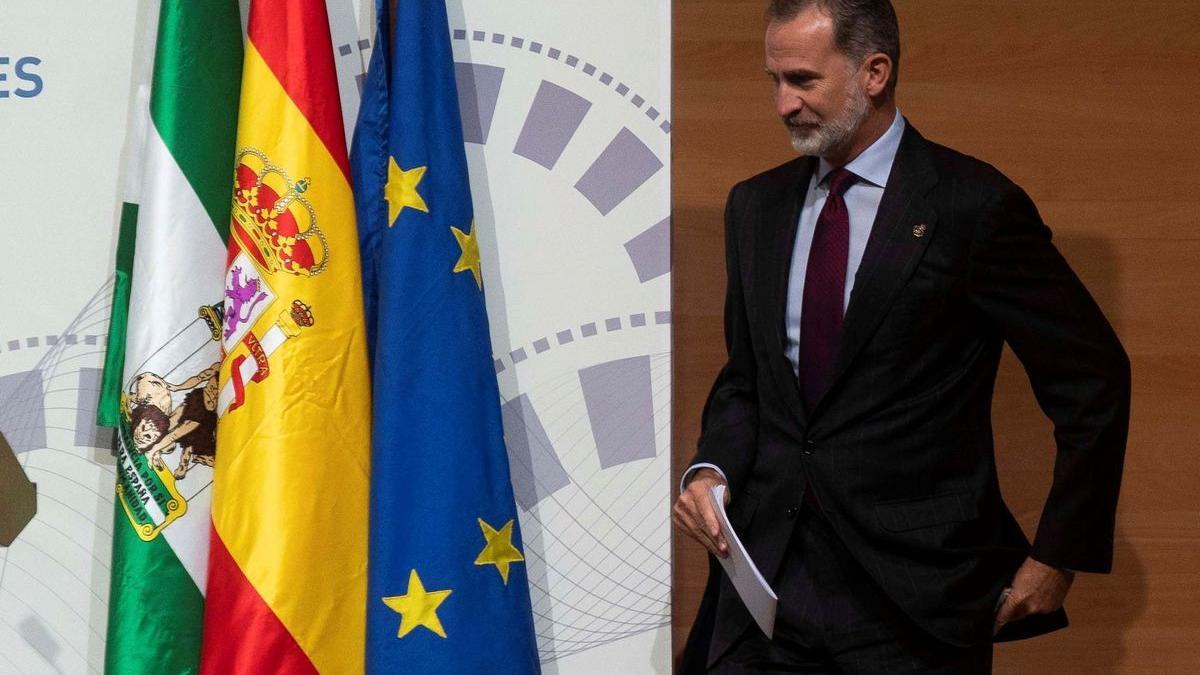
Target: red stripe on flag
(241, 633)
(293, 39)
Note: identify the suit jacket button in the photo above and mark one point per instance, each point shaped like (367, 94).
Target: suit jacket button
(791, 512)
(809, 447)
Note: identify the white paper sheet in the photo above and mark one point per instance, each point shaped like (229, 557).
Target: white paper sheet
(751, 587)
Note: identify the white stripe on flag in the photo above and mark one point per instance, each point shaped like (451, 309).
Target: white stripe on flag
(178, 267)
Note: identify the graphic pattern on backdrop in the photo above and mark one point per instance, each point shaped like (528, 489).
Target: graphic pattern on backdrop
(54, 577)
(587, 385)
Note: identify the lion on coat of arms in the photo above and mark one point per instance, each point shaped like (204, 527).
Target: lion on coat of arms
(158, 425)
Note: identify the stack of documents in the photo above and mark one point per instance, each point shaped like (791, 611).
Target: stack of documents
(754, 591)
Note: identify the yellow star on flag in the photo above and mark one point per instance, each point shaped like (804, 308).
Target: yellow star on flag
(499, 550)
(469, 260)
(401, 190)
(418, 607)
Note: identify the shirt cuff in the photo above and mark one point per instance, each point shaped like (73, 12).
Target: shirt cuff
(696, 467)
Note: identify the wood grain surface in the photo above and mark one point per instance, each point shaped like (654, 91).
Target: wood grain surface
(1093, 106)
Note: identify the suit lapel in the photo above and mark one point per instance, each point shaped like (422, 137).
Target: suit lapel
(903, 227)
(780, 219)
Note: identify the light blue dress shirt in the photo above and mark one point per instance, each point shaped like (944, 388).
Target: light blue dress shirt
(872, 166)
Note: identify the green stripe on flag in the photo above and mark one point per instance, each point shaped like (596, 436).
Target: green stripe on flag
(108, 412)
(153, 610)
(199, 134)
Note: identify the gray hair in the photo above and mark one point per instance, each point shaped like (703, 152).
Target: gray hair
(860, 27)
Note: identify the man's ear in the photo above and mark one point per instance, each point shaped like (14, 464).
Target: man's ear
(878, 69)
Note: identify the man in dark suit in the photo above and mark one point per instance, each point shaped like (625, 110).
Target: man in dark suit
(872, 284)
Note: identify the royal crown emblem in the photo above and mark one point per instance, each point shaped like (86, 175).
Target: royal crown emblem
(296, 317)
(272, 220)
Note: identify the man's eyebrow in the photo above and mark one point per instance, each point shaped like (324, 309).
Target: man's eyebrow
(799, 73)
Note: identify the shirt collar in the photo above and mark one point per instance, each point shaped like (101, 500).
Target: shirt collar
(874, 164)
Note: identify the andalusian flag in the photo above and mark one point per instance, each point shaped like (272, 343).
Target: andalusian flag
(448, 590)
(288, 561)
(169, 388)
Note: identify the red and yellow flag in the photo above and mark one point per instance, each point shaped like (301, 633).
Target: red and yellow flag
(287, 568)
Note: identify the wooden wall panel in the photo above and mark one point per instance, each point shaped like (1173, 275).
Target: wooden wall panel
(1091, 106)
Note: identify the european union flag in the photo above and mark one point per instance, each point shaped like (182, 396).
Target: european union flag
(447, 589)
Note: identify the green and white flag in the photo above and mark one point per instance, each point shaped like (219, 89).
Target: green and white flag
(168, 393)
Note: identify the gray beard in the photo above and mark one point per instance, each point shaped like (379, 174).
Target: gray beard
(835, 133)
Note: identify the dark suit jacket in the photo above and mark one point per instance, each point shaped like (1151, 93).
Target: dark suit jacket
(899, 449)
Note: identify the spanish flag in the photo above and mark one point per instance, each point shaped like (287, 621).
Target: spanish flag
(287, 563)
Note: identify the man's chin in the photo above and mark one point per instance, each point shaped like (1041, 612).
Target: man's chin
(808, 145)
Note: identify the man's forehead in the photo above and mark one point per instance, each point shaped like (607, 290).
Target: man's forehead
(809, 33)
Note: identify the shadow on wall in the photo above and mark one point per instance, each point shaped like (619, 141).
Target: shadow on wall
(1101, 607)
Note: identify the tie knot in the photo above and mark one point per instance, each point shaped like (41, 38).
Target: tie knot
(840, 180)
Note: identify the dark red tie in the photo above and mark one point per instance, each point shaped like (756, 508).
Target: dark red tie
(824, 290)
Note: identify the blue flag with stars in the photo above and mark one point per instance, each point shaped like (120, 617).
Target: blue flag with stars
(447, 588)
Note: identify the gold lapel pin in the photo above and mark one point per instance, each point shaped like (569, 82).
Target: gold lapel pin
(919, 230)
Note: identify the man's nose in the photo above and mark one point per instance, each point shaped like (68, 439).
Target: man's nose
(787, 102)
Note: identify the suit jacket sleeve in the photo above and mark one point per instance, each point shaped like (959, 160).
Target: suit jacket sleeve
(1079, 372)
(729, 426)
